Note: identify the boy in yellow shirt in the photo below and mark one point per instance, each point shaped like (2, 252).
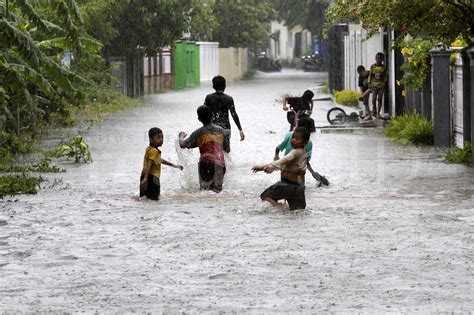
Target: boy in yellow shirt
(150, 177)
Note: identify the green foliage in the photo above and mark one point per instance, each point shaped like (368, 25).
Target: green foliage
(17, 144)
(460, 156)
(76, 148)
(443, 20)
(418, 66)
(249, 74)
(30, 75)
(310, 14)
(325, 88)
(44, 166)
(347, 98)
(410, 129)
(202, 20)
(144, 27)
(242, 23)
(19, 184)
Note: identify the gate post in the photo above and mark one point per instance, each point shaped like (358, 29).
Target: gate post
(441, 87)
(468, 97)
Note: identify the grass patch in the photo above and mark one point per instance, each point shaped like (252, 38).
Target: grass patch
(410, 129)
(249, 74)
(325, 88)
(347, 98)
(19, 184)
(460, 156)
(102, 101)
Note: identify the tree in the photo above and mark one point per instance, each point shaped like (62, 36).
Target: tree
(202, 20)
(310, 14)
(30, 75)
(444, 20)
(243, 23)
(146, 26)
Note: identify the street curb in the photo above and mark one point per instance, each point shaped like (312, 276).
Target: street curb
(352, 130)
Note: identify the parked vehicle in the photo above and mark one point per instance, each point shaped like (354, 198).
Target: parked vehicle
(266, 64)
(313, 63)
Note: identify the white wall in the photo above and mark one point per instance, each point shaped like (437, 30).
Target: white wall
(209, 60)
(286, 44)
(359, 50)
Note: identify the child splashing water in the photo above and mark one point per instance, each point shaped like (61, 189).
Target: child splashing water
(151, 172)
(293, 168)
(286, 146)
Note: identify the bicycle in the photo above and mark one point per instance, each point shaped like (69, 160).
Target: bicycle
(337, 116)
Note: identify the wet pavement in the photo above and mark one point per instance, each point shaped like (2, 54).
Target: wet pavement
(392, 233)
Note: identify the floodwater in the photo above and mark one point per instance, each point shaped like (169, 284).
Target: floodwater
(393, 232)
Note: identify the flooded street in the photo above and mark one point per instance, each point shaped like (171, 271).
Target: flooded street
(393, 231)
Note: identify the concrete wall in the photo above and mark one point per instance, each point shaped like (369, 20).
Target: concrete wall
(209, 60)
(157, 72)
(233, 63)
(284, 48)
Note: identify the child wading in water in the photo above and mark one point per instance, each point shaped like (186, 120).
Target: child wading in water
(212, 141)
(221, 104)
(293, 169)
(150, 177)
(286, 146)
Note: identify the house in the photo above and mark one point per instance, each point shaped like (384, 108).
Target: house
(288, 44)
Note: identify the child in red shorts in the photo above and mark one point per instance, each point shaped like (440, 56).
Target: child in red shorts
(212, 142)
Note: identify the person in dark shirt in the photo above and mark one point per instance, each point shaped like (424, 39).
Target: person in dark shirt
(364, 88)
(221, 104)
(298, 104)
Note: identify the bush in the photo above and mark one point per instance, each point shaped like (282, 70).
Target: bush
(249, 74)
(460, 156)
(325, 88)
(347, 98)
(410, 129)
(19, 184)
(77, 148)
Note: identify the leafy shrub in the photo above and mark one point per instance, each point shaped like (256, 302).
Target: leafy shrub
(410, 129)
(77, 149)
(249, 74)
(325, 88)
(44, 166)
(19, 184)
(347, 98)
(458, 155)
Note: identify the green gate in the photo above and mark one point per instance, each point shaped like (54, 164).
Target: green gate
(186, 65)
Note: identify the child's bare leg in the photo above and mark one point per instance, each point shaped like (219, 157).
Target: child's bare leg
(380, 100)
(374, 103)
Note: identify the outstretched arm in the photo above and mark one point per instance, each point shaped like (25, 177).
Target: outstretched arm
(233, 112)
(165, 162)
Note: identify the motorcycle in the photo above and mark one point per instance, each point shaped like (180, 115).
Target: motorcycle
(313, 63)
(266, 64)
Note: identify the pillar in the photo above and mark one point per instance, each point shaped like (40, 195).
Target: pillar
(468, 97)
(441, 104)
